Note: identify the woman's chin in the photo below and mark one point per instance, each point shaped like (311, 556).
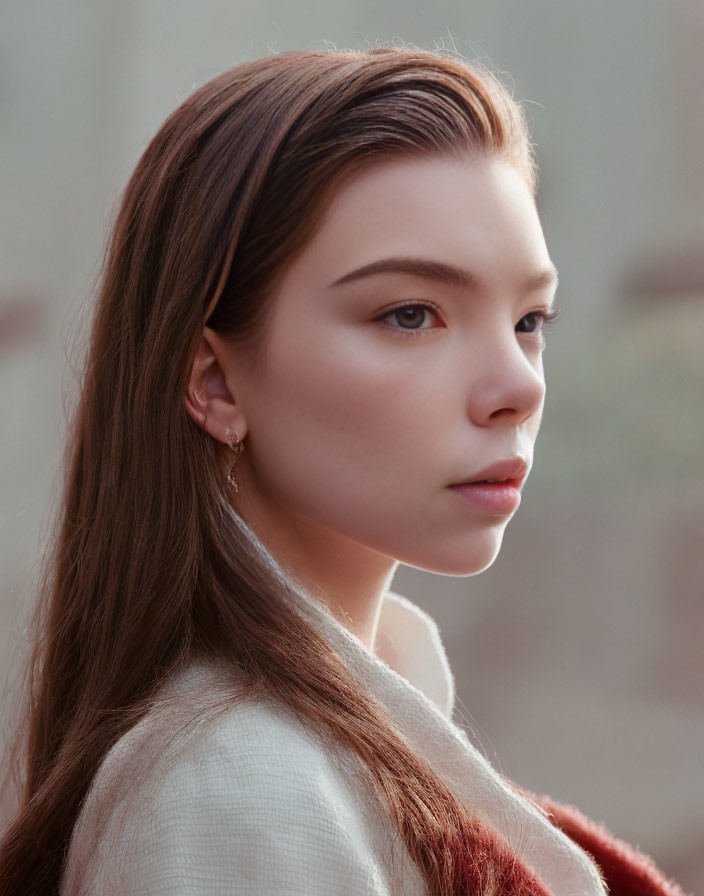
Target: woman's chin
(461, 559)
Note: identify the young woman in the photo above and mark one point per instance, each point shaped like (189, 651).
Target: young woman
(316, 353)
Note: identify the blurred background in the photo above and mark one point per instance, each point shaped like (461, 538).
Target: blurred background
(579, 656)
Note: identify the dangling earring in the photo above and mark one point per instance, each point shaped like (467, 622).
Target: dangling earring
(238, 447)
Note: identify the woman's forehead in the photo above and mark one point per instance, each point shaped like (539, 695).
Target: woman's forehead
(468, 217)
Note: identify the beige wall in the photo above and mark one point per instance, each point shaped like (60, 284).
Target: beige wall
(578, 654)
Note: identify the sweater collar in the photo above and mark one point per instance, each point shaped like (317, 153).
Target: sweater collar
(408, 672)
(408, 641)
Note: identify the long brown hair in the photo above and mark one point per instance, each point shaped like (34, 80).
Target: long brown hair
(149, 566)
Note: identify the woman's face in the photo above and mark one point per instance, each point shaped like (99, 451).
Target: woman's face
(362, 414)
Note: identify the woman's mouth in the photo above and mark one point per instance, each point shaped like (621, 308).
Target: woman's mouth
(497, 487)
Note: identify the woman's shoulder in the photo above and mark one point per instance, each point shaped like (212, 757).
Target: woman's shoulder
(203, 725)
(205, 737)
(211, 788)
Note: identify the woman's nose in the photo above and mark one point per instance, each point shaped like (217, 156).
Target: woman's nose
(508, 386)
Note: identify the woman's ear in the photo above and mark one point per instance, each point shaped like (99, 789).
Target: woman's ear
(209, 401)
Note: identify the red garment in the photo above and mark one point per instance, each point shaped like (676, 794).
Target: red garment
(626, 871)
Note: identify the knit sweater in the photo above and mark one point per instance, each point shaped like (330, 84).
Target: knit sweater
(195, 801)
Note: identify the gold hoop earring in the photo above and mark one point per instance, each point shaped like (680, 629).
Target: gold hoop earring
(237, 447)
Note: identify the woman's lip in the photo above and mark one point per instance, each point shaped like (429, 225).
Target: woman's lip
(510, 469)
(501, 497)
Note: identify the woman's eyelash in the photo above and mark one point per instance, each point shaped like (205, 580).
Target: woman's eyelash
(548, 317)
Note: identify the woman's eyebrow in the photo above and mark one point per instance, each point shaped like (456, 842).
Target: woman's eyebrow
(439, 271)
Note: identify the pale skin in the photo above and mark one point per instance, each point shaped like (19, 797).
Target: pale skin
(355, 426)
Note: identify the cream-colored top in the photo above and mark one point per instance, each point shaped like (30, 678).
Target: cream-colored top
(250, 801)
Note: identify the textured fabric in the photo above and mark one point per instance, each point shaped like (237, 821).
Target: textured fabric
(250, 801)
(627, 871)
(246, 803)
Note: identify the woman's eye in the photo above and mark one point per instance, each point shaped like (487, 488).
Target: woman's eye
(531, 323)
(412, 317)
(409, 317)
(535, 321)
